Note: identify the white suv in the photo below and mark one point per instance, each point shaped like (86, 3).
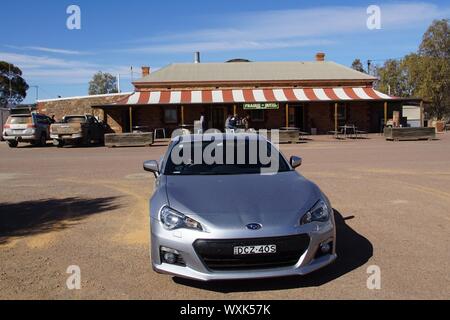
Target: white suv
(32, 128)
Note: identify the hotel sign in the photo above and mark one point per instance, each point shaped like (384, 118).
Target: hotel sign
(261, 106)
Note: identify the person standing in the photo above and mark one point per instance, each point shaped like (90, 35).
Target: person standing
(227, 122)
(246, 122)
(203, 124)
(233, 122)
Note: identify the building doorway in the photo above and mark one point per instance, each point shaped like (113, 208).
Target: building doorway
(297, 116)
(218, 117)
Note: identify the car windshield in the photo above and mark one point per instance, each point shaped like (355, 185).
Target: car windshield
(19, 120)
(224, 158)
(75, 120)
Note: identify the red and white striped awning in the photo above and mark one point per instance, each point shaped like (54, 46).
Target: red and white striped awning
(253, 96)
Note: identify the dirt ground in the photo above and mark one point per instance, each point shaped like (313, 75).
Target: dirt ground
(89, 207)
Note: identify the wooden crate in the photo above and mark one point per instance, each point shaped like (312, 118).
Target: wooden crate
(397, 134)
(129, 139)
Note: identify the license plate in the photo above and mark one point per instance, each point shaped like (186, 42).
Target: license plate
(248, 250)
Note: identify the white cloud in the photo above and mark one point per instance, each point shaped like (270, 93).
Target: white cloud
(227, 46)
(48, 50)
(34, 61)
(289, 28)
(43, 69)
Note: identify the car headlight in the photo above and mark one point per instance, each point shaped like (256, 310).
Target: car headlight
(320, 213)
(172, 220)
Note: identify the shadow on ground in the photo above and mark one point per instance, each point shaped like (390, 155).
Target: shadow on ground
(40, 216)
(353, 251)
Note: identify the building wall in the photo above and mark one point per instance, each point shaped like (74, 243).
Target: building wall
(113, 117)
(75, 106)
(320, 116)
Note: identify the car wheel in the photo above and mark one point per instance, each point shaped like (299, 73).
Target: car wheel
(58, 143)
(88, 140)
(13, 144)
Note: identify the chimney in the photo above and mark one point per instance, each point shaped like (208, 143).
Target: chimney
(320, 56)
(197, 57)
(145, 71)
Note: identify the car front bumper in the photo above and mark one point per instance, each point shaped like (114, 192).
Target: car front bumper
(195, 267)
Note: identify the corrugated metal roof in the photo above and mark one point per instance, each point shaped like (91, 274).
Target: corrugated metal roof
(255, 71)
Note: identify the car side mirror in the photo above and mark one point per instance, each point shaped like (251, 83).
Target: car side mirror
(152, 166)
(296, 162)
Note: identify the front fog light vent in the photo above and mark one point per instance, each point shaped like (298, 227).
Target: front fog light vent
(171, 256)
(324, 249)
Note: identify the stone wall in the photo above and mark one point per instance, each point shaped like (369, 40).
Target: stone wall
(77, 106)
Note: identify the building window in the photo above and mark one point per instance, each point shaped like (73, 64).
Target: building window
(257, 115)
(170, 115)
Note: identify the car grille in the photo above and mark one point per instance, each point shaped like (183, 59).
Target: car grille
(219, 254)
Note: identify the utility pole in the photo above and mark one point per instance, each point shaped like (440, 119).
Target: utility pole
(37, 91)
(10, 83)
(118, 83)
(369, 63)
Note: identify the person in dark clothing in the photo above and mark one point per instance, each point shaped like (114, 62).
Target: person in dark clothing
(233, 122)
(203, 122)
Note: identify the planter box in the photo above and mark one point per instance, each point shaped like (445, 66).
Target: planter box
(286, 136)
(398, 134)
(129, 139)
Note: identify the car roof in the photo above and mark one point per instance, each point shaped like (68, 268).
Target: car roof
(222, 136)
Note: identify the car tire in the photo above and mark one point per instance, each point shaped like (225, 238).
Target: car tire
(87, 141)
(13, 144)
(58, 143)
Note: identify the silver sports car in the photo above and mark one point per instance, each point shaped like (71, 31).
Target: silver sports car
(230, 206)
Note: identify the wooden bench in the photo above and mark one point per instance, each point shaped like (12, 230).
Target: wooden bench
(129, 139)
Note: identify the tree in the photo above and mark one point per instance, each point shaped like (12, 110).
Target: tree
(102, 83)
(357, 65)
(436, 40)
(425, 74)
(11, 77)
(393, 79)
(434, 52)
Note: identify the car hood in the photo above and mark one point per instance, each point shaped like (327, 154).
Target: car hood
(236, 199)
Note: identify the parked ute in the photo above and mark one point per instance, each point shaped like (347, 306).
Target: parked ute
(77, 130)
(31, 128)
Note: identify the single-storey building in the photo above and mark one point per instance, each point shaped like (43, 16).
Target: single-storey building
(314, 96)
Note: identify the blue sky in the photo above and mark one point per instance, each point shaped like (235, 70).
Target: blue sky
(115, 35)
